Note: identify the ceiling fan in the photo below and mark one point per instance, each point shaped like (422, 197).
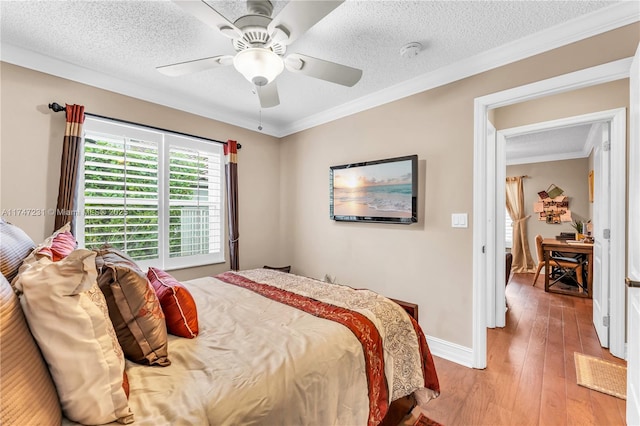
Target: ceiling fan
(261, 42)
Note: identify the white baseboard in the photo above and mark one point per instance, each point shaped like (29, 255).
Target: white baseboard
(450, 351)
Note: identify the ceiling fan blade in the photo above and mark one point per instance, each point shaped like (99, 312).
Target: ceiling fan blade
(268, 95)
(298, 16)
(324, 70)
(190, 67)
(210, 16)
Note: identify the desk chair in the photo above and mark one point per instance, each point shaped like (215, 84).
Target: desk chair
(564, 264)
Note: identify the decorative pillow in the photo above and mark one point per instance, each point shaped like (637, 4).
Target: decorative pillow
(177, 304)
(56, 247)
(16, 245)
(68, 317)
(133, 307)
(59, 245)
(24, 374)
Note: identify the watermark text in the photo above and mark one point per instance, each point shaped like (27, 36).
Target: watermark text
(62, 212)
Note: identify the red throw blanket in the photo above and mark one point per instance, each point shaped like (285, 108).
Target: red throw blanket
(360, 325)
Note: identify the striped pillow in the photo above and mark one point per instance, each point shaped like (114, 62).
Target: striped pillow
(29, 396)
(177, 304)
(16, 245)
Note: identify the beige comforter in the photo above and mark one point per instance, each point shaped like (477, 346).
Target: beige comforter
(259, 362)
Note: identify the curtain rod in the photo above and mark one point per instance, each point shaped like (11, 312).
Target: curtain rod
(56, 107)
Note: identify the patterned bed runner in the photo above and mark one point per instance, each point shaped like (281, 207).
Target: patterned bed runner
(360, 325)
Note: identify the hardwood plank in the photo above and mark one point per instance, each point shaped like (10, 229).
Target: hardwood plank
(553, 406)
(530, 377)
(527, 403)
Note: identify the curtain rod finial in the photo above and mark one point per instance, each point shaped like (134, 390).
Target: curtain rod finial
(56, 107)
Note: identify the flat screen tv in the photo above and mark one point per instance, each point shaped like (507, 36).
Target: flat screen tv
(375, 191)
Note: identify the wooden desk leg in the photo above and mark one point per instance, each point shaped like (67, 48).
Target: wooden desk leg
(546, 270)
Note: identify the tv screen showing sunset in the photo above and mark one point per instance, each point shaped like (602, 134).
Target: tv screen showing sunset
(382, 190)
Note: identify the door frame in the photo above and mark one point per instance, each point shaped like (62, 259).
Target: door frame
(633, 250)
(617, 119)
(484, 209)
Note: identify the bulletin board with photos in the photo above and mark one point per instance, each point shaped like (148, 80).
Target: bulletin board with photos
(552, 206)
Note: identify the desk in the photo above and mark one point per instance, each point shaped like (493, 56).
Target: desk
(549, 245)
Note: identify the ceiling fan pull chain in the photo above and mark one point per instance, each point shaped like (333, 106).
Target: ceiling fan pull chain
(260, 119)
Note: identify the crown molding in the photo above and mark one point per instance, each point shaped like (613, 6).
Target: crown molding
(606, 19)
(589, 25)
(546, 158)
(595, 119)
(52, 66)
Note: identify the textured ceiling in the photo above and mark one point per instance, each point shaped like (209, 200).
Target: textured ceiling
(117, 45)
(560, 143)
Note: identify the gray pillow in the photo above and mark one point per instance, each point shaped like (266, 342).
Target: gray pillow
(15, 245)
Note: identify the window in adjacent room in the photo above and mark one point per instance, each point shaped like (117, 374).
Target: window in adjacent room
(508, 230)
(155, 195)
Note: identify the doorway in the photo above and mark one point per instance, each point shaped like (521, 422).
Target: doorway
(485, 257)
(606, 136)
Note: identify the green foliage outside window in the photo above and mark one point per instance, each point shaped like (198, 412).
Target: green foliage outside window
(122, 199)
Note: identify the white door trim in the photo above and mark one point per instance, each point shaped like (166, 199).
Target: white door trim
(483, 255)
(633, 259)
(493, 279)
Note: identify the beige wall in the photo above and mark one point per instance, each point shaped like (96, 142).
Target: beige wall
(284, 186)
(31, 144)
(576, 102)
(571, 176)
(428, 263)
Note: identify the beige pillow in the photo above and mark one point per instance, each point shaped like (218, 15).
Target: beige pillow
(134, 308)
(24, 376)
(68, 317)
(45, 248)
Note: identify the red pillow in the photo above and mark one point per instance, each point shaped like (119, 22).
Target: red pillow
(177, 304)
(62, 245)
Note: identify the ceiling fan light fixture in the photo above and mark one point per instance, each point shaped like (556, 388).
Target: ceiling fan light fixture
(258, 65)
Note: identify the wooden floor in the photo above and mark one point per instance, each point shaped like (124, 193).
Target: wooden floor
(530, 378)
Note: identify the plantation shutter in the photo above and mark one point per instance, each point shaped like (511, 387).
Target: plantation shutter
(121, 196)
(153, 194)
(195, 202)
(508, 230)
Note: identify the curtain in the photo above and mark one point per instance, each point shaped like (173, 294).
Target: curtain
(69, 168)
(522, 260)
(231, 169)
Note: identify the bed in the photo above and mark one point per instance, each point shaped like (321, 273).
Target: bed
(272, 348)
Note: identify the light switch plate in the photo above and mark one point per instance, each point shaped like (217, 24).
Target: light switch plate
(459, 220)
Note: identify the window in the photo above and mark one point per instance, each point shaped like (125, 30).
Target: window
(508, 229)
(155, 195)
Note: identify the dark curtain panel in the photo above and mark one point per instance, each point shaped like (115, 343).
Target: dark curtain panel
(231, 169)
(69, 167)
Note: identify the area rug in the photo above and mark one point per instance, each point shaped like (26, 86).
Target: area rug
(425, 421)
(600, 375)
